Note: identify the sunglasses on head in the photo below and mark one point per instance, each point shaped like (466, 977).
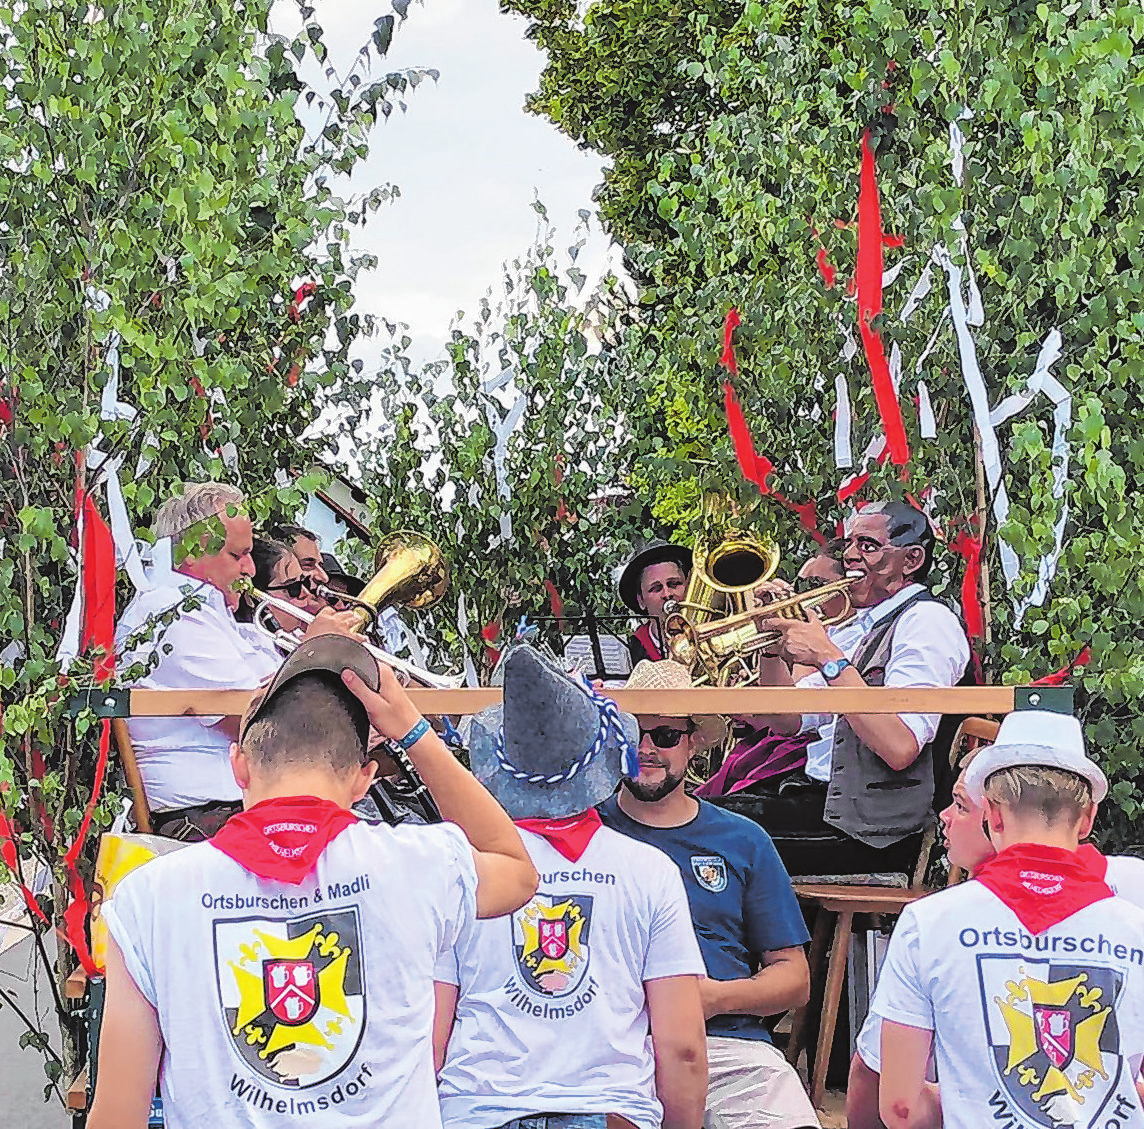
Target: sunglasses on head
(292, 588)
(665, 737)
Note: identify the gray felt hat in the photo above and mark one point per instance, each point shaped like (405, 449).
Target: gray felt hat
(554, 748)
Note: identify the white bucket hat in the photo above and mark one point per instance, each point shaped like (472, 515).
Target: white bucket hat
(1038, 738)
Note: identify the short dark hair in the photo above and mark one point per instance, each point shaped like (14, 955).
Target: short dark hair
(290, 533)
(312, 720)
(907, 526)
(266, 554)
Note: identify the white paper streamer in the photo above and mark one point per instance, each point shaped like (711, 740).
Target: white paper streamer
(927, 424)
(843, 455)
(919, 293)
(502, 428)
(1042, 380)
(463, 631)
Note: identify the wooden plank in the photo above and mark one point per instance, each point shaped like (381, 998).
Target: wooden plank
(75, 987)
(682, 703)
(77, 1093)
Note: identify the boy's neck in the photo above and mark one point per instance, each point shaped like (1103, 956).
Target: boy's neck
(1064, 838)
(302, 782)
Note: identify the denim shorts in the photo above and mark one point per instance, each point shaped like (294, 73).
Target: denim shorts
(559, 1121)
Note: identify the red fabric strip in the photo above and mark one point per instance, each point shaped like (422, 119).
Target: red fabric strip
(755, 468)
(98, 554)
(282, 839)
(1043, 885)
(730, 324)
(643, 634)
(570, 836)
(1060, 677)
(8, 854)
(825, 269)
(869, 280)
(969, 546)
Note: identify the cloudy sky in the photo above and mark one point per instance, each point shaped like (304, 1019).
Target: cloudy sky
(466, 156)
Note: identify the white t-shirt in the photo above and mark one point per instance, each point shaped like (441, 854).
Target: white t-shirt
(930, 649)
(184, 761)
(1029, 1031)
(279, 1003)
(1125, 877)
(551, 1014)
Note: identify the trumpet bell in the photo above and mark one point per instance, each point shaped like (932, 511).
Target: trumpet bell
(409, 570)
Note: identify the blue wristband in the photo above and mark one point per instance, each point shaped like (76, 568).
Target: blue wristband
(414, 735)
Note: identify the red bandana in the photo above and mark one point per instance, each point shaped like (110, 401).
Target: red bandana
(570, 835)
(1043, 885)
(282, 839)
(643, 634)
(1093, 859)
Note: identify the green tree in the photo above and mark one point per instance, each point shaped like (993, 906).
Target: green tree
(504, 450)
(1047, 215)
(163, 194)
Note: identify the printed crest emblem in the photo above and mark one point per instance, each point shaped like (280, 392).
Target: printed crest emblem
(710, 872)
(550, 940)
(1053, 1035)
(291, 990)
(291, 994)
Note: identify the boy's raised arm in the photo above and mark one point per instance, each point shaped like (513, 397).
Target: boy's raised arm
(129, 1050)
(506, 878)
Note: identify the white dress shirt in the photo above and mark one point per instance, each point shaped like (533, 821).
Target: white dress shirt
(929, 649)
(184, 761)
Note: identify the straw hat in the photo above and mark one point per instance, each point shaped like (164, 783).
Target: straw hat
(710, 729)
(1037, 738)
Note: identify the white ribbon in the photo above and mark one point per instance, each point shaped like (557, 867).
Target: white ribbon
(927, 424)
(502, 428)
(843, 455)
(1042, 380)
(463, 631)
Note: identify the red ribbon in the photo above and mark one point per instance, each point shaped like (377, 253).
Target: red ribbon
(8, 854)
(754, 467)
(1059, 677)
(869, 279)
(970, 546)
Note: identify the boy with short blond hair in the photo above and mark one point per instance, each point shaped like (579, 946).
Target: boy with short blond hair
(1028, 980)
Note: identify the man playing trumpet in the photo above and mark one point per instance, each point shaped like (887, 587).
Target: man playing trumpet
(869, 781)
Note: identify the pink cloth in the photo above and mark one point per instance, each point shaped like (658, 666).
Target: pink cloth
(755, 759)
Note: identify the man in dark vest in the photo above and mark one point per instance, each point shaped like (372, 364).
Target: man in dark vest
(649, 578)
(867, 793)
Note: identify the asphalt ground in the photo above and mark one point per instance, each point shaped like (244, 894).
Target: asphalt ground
(22, 1077)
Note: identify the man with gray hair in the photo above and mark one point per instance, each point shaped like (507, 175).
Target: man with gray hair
(183, 632)
(868, 788)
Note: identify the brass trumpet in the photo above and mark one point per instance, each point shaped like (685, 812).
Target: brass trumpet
(722, 647)
(411, 571)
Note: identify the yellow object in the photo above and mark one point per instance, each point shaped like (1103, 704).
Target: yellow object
(118, 856)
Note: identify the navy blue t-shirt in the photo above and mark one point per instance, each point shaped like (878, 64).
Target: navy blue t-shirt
(742, 904)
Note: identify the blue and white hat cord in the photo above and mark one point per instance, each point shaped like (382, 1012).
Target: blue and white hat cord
(610, 725)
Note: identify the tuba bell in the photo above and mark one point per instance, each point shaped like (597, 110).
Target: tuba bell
(722, 584)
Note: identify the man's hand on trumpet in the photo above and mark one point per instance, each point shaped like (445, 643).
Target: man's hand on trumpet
(804, 642)
(330, 622)
(771, 591)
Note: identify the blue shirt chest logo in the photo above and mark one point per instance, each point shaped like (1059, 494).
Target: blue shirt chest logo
(710, 872)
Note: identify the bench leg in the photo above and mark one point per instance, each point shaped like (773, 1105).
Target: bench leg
(816, 962)
(835, 973)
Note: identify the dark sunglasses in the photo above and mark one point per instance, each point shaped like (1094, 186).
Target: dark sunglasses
(664, 737)
(292, 588)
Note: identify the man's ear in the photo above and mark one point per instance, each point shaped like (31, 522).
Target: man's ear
(1084, 826)
(993, 816)
(913, 560)
(240, 765)
(364, 777)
